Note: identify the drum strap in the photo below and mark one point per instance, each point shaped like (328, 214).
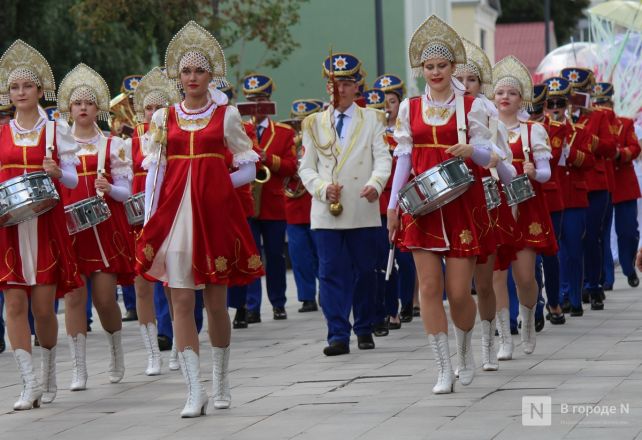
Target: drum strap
(525, 145)
(493, 125)
(461, 119)
(49, 138)
(102, 152)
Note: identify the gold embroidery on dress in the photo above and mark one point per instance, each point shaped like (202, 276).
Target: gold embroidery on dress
(199, 122)
(31, 136)
(441, 113)
(149, 252)
(121, 154)
(466, 237)
(557, 142)
(535, 228)
(254, 262)
(89, 148)
(513, 136)
(220, 264)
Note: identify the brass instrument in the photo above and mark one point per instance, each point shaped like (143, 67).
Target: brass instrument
(123, 119)
(263, 175)
(299, 190)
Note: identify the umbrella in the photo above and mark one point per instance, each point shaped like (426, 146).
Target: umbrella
(625, 13)
(572, 54)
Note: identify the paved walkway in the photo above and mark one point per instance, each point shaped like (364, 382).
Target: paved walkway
(284, 388)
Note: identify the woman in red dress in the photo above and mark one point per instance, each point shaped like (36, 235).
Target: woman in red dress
(154, 92)
(196, 235)
(104, 251)
(427, 134)
(37, 261)
(477, 76)
(529, 143)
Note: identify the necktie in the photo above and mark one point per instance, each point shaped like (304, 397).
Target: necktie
(259, 132)
(340, 123)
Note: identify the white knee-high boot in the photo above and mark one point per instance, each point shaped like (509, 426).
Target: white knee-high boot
(220, 377)
(31, 389)
(465, 358)
(149, 333)
(197, 399)
(528, 328)
(116, 356)
(48, 364)
(489, 351)
(505, 338)
(77, 348)
(445, 378)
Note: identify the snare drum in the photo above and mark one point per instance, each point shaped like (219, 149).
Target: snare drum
(86, 213)
(135, 209)
(435, 187)
(519, 190)
(491, 191)
(25, 197)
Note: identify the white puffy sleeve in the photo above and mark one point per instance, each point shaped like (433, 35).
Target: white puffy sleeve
(540, 144)
(120, 159)
(66, 145)
(149, 142)
(236, 140)
(402, 133)
(479, 133)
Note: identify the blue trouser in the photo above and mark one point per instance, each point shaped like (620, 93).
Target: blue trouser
(305, 263)
(347, 280)
(273, 234)
(1, 318)
(626, 228)
(608, 269)
(552, 265)
(163, 318)
(406, 276)
(593, 245)
(572, 255)
(387, 297)
(129, 297)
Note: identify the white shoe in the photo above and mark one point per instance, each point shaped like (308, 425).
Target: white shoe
(528, 328)
(173, 357)
(77, 348)
(116, 357)
(489, 352)
(48, 364)
(149, 333)
(220, 378)
(197, 399)
(505, 352)
(31, 390)
(445, 378)
(465, 358)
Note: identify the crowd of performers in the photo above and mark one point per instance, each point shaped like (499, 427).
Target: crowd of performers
(217, 189)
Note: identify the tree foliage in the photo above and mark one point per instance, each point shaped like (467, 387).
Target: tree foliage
(121, 37)
(565, 14)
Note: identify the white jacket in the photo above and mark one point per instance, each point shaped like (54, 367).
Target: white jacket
(364, 160)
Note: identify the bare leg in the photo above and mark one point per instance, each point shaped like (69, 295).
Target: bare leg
(459, 274)
(145, 301)
(168, 295)
(44, 314)
(524, 274)
(103, 295)
(431, 286)
(500, 286)
(183, 301)
(75, 311)
(485, 291)
(17, 322)
(218, 319)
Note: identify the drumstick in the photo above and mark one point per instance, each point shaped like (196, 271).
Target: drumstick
(102, 152)
(49, 135)
(391, 256)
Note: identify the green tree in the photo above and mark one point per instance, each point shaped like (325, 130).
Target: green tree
(121, 37)
(565, 14)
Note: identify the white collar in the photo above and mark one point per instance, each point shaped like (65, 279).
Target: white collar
(349, 112)
(265, 123)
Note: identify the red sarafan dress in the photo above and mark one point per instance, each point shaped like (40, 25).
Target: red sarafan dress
(39, 250)
(198, 234)
(462, 227)
(533, 218)
(112, 235)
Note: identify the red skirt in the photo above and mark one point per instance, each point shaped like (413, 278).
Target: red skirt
(507, 235)
(56, 261)
(534, 224)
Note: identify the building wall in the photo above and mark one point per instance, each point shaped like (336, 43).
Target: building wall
(469, 18)
(347, 26)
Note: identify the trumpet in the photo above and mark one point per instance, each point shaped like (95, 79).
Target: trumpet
(123, 118)
(298, 190)
(263, 175)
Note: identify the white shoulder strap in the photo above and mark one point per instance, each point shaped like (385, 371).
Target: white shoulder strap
(461, 119)
(493, 126)
(102, 153)
(49, 138)
(525, 141)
